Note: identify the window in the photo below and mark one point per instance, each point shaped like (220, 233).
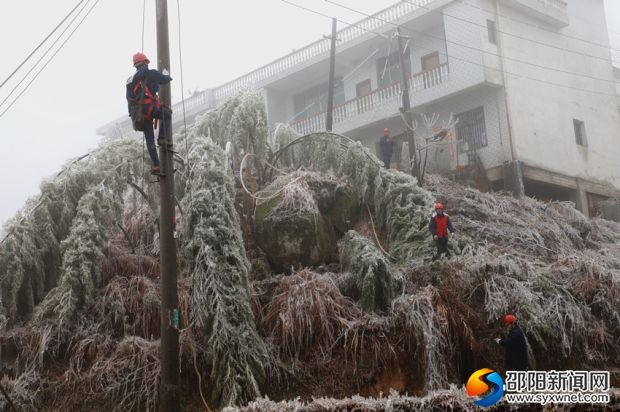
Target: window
(580, 132)
(388, 68)
(471, 130)
(491, 31)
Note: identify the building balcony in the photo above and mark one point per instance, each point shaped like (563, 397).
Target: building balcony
(377, 105)
(553, 12)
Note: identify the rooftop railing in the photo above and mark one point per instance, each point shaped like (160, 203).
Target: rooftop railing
(319, 47)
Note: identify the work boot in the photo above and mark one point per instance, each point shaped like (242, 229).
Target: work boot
(156, 170)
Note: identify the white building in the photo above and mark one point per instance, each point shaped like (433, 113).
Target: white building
(530, 82)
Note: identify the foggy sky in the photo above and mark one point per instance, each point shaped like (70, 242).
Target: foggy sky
(83, 87)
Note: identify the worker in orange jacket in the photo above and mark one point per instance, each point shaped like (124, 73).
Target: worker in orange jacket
(440, 227)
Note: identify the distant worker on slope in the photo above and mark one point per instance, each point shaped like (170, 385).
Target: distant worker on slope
(441, 228)
(515, 344)
(144, 107)
(386, 145)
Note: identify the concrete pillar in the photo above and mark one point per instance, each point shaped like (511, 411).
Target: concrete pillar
(513, 178)
(581, 200)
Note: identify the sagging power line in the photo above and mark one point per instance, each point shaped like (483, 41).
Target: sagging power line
(521, 76)
(478, 49)
(49, 49)
(41, 44)
(51, 58)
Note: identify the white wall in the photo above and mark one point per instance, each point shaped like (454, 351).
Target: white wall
(425, 43)
(279, 107)
(542, 114)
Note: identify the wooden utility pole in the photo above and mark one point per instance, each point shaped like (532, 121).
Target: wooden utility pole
(169, 344)
(329, 120)
(406, 109)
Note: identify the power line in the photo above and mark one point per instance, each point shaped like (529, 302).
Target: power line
(41, 44)
(330, 17)
(51, 58)
(484, 51)
(183, 104)
(511, 34)
(461, 59)
(143, 20)
(23, 79)
(526, 23)
(540, 66)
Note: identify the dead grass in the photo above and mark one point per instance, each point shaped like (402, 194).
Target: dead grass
(308, 313)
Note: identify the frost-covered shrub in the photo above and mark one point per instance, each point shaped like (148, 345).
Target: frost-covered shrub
(241, 120)
(82, 257)
(372, 279)
(402, 208)
(218, 267)
(283, 135)
(31, 256)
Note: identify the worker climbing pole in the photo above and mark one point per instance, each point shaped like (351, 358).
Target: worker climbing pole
(169, 347)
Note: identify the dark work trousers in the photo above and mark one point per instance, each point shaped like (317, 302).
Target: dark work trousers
(442, 247)
(386, 161)
(165, 121)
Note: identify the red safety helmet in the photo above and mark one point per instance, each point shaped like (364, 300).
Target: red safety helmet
(509, 319)
(438, 206)
(386, 130)
(139, 58)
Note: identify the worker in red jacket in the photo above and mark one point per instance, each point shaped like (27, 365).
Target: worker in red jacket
(441, 228)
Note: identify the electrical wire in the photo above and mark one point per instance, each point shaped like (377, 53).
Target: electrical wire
(511, 34)
(183, 106)
(143, 20)
(23, 79)
(539, 27)
(41, 44)
(521, 76)
(51, 58)
(540, 66)
(330, 17)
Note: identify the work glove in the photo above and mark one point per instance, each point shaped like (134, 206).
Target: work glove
(497, 340)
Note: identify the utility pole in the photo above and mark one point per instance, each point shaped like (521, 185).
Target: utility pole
(169, 343)
(329, 120)
(406, 109)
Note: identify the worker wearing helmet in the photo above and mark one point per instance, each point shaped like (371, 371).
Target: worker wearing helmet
(386, 146)
(440, 227)
(143, 87)
(515, 345)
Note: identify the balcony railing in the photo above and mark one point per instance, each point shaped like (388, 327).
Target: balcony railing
(377, 98)
(195, 100)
